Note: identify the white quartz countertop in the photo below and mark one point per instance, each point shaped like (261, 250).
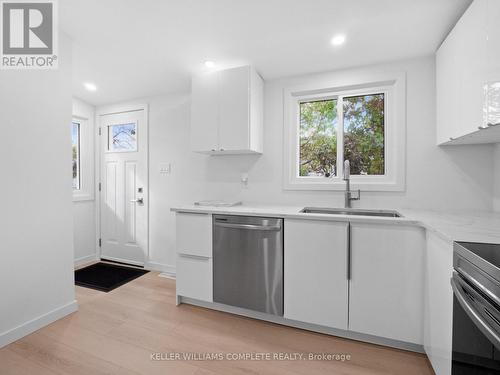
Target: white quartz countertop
(471, 226)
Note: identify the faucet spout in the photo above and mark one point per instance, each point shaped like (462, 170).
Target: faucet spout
(347, 178)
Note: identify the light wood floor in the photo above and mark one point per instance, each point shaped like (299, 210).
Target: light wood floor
(116, 332)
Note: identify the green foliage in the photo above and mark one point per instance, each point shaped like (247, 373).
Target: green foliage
(75, 161)
(363, 136)
(318, 138)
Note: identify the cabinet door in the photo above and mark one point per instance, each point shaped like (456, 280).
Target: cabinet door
(234, 126)
(438, 313)
(471, 57)
(386, 286)
(205, 112)
(315, 272)
(194, 277)
(493, 64)
(194, 234)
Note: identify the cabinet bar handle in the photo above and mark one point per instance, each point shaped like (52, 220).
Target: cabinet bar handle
(349, 243)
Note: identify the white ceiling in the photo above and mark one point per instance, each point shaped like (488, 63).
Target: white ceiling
(132, 48)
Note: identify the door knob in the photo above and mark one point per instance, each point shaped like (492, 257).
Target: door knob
(138, 200)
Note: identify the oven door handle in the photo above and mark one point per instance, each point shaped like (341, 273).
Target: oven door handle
(477, 284)
(476, 318)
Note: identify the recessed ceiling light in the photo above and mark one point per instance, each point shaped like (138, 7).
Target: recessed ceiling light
(209, 64)
(338, 40)
(90, 86)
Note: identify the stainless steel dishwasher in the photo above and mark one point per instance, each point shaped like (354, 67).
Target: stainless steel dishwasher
(248, 262)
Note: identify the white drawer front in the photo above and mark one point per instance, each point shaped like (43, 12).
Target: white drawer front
(194, 277)
(194, 234)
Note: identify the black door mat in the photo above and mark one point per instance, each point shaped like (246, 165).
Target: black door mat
(106, 277)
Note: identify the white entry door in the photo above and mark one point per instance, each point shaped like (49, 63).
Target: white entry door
(124, 187)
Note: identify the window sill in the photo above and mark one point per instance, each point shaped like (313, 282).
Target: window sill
(381, 186)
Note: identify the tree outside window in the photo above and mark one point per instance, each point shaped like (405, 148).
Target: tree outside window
(75, 140)
(362, 139)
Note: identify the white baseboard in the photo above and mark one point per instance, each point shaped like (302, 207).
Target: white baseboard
(85, 259)
(162, 267)
(307, 326)
(33, 325)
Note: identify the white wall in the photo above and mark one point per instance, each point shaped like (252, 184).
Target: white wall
(84, 232)
(84, 211)
(36, 269)
(169, 140)
(436, 178)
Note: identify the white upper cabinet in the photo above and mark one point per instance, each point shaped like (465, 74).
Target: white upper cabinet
(493, 63)
(467, 68)
(227, 112)
(204, 112)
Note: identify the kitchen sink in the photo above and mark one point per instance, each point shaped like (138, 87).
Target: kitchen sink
(350, 211)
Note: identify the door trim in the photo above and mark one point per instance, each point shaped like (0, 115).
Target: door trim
(110, 110)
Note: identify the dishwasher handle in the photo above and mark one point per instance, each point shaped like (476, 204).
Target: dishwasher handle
(248, 226)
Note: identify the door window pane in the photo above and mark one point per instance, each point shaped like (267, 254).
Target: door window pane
(318, 138)
(364, 134)
(122, 137)
(75, 140)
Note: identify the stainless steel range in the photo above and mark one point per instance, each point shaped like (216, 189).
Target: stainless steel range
(476, 309)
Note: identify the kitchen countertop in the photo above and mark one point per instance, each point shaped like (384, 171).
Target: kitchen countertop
(470, 226)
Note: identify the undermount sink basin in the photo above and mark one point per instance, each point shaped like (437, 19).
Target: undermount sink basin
(350, 211)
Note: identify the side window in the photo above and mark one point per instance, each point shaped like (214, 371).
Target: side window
(75, 140)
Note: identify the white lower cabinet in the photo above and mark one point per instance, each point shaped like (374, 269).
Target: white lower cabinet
(438, 313)
(194, 234)
(386, 287)
(315, 272)
(194, 277)
(194, 271)
(362, 277)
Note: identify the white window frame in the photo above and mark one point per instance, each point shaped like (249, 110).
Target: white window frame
(394, 89)
(86, 191)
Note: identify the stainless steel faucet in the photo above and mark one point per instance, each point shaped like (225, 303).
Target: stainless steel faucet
(348, 193)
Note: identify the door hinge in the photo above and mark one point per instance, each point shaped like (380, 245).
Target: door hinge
(100, 242)
(99, 131)
(99, 186)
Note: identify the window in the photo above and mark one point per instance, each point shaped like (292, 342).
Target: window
(75, 140)
(82, 142)
(318, 138)
(364, 133)
(364, 124)
(122, 137)
(362, 139)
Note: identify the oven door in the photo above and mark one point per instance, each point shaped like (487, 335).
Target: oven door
(476, 331)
